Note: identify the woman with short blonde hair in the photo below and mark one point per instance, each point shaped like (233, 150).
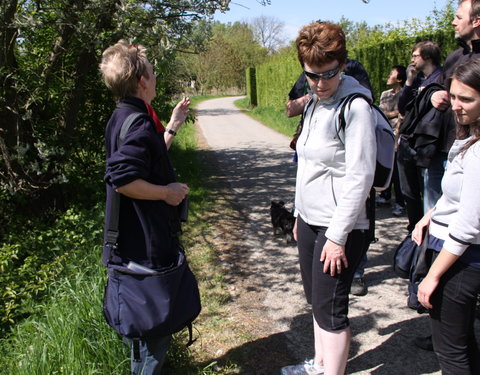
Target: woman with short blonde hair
(139, 168)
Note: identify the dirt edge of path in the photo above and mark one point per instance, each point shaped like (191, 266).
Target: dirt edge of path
(237, 345)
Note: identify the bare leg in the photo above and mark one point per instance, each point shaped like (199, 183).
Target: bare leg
(335, 347)
(318, 344)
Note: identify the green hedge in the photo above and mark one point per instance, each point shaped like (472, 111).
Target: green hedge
(275, 78)
(379, 59)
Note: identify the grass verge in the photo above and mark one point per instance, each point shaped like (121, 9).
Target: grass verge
(271, 117)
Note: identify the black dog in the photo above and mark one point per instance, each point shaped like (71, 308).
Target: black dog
(282, 220)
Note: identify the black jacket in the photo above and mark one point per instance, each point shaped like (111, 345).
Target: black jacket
(424, 126)
(148, 228)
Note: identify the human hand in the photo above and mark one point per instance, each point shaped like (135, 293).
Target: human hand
(440, 100)
(426, 289)
(333, 256)
(179, 113)
(294, 230)
(411, 74)
(419, 230)
(176, 193)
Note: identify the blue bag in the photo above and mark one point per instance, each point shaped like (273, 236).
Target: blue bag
(412, 262)
(140, 305)
(404, 254)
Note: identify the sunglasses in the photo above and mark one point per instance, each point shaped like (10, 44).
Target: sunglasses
(329, 74)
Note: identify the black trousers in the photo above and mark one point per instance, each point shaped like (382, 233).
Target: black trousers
(327, 294)
(411, 183)
(452, 320)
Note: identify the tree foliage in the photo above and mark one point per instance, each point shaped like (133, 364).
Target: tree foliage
(53, 106)
(229, 50)
(360, 34)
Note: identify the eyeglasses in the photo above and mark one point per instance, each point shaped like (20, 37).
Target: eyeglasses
(329, 74)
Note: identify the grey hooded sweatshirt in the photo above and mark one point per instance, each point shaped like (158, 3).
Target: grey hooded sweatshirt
(335, 167)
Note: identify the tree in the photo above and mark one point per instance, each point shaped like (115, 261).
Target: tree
(269, 32)
(360, 34)
(230, 49)
(52, 103)
(354, 31)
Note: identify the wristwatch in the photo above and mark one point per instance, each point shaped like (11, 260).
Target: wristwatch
(170, 131)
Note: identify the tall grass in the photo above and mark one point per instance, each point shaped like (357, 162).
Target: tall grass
(68, 335)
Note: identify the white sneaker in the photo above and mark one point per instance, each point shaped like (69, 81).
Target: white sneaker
(306, 368)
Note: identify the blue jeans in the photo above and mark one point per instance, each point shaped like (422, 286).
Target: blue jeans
(152, 354)
(452, 320)
(432, 180)
(361, 267)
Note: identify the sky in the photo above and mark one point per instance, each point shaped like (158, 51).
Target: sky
(296, 13)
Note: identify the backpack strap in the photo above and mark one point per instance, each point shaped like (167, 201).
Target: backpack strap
(309, 104)
(298, 130)
(305, 110)
(371, 216)
(347, 101)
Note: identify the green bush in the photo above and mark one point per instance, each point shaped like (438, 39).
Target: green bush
(36, 253)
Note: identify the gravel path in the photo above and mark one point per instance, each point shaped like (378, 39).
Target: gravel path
(263, 271)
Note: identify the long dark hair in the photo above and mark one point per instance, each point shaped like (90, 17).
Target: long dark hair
(468, 73)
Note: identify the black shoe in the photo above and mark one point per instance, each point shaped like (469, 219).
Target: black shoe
(358, 287)
(424, 342)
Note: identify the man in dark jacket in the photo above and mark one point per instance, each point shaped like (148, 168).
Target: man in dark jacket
(467, 33)
(423, 70)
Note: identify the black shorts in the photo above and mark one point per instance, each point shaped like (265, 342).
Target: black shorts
(327, 294)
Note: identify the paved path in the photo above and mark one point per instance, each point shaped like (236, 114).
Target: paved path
(256, 163)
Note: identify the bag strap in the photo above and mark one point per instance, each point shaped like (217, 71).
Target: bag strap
(190, 335)
(112, 225)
